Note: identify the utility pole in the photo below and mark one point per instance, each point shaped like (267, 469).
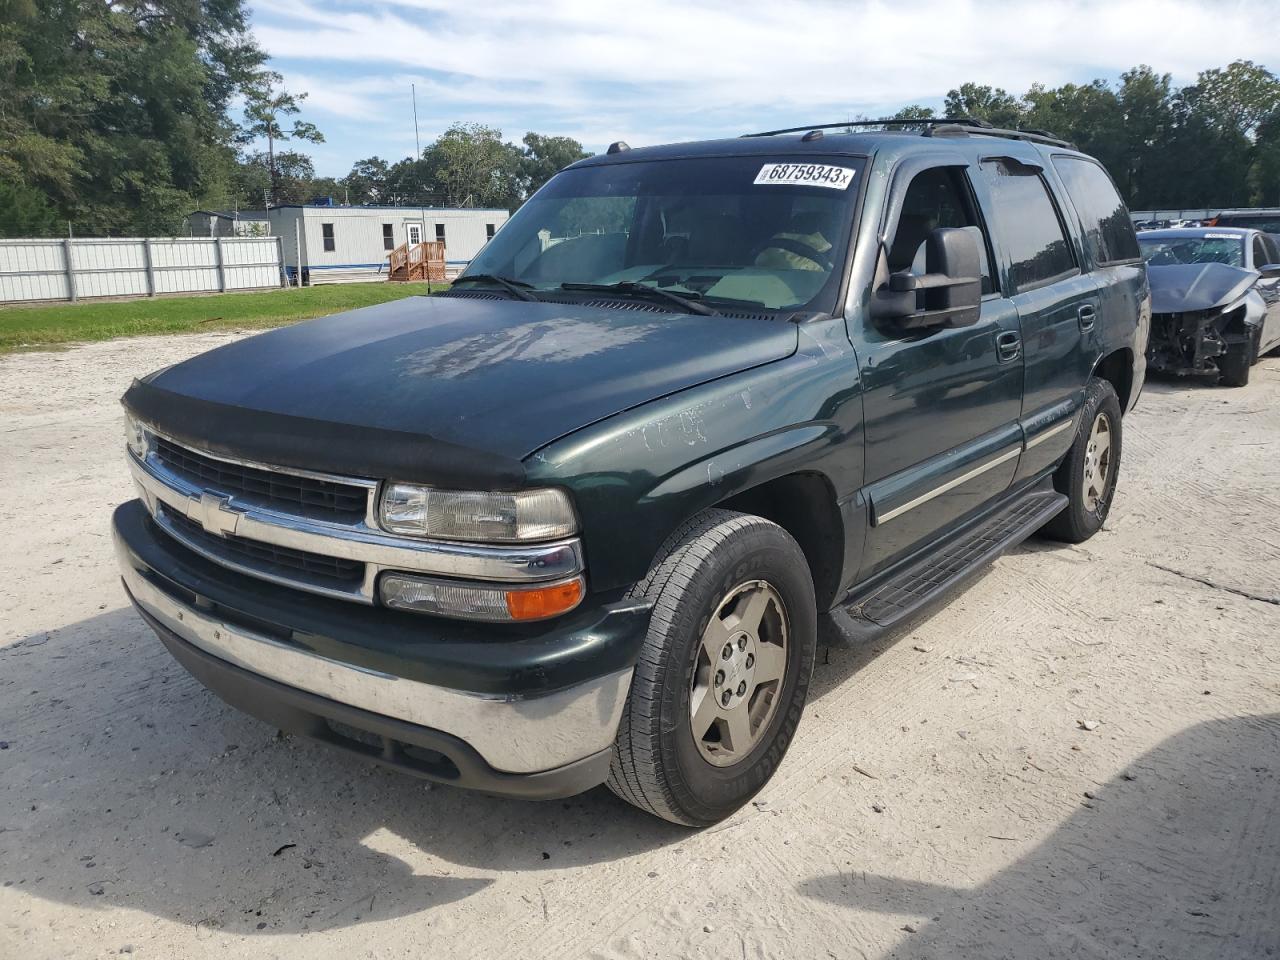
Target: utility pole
(417, 143)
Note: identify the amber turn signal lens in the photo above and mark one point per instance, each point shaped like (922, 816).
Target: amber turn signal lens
(542, 602)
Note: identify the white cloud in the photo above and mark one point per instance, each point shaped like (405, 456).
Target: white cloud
(662, 68)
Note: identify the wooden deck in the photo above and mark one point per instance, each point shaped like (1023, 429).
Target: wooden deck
(419, 261)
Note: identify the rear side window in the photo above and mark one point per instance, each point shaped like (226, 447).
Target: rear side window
(1271, 249)
(1108, 228)
(1027, 226)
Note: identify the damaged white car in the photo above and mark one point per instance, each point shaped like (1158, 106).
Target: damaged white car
(1215, 300)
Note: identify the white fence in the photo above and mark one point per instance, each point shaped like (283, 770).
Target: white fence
(87, 269)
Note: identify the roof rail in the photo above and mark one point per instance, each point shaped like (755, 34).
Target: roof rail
(886, 122)
(933, 127)
(1030, 136)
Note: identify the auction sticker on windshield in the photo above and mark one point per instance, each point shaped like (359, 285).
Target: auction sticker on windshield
(805, 175)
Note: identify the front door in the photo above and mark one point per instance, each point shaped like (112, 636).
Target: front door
(940, 406)
(415, 234)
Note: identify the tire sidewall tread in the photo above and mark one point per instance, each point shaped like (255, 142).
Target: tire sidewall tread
(1075, 524)
(656, 765)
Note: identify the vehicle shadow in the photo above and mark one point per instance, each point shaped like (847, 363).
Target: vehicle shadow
(125, 783)
(1176, 856)
(1158, 382)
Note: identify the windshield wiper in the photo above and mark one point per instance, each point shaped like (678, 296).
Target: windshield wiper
(685, 303)
(517, 288)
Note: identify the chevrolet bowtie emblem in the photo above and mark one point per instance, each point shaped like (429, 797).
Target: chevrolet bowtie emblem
(216, 515)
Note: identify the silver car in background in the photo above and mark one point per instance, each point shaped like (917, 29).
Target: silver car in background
(1215, 300)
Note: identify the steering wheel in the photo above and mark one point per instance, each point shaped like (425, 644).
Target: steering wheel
(792, 246)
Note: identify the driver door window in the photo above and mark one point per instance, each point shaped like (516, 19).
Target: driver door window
(940, 197)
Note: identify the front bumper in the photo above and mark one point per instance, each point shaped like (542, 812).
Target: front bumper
(529, 711)
(1189, 344)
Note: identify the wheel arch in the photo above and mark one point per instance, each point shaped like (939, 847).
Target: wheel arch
(1117, 369)
(803, 504)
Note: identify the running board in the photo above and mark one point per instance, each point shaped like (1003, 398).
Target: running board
(909, 592)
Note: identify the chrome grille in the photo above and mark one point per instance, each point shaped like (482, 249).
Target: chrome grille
(302, 529)
(292, 492)
(265, 558)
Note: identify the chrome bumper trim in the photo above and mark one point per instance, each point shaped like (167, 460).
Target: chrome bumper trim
(230, 514)
(513, 736)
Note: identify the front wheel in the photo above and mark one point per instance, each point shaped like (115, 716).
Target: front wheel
(1088, 474)
(1236, 363)
(724, 673)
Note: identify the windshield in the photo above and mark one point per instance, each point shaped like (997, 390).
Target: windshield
(1225, 248)
(758, 232)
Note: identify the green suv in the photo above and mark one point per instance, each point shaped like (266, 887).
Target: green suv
(574, 521)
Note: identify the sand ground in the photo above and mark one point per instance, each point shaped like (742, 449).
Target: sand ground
(941, 799)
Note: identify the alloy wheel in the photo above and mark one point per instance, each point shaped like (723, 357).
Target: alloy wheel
(738, 672)
(1097, 462)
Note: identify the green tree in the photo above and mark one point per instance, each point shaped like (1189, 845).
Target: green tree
(367, 181)
(1238, 98)
(269, 110)
(914, 111)
(24, 212)
(543, 157)
(978, 102)
(116, 111)
(413, 181)
(1264, 174)
(473, 167)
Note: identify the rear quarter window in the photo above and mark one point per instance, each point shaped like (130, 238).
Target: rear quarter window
(1108, 228)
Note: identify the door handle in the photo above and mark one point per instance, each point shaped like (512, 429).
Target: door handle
(1088, 315)
(1008, 346)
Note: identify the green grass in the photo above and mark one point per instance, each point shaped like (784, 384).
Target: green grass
(23, 327)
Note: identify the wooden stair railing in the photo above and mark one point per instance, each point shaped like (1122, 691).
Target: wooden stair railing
(417, 261)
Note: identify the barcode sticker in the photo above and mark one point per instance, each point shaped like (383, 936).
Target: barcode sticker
(805, 175)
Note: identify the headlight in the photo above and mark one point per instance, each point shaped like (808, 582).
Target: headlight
(524, 515)
(135, 436)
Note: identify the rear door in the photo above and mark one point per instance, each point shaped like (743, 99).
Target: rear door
(1057, 302)
(941, 405)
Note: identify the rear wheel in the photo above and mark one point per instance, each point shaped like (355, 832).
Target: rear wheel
(724, 673)
(1236, 363)
(1088, 474)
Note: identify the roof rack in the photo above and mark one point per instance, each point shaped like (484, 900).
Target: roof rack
(933, 127)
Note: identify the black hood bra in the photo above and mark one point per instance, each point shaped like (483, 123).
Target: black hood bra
(431, 389)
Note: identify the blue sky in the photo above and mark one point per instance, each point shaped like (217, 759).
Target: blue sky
(653, 71)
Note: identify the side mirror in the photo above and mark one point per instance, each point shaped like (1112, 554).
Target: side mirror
(951, 287)
(1270, 271)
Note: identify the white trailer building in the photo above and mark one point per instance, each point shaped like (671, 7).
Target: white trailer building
(336, 244)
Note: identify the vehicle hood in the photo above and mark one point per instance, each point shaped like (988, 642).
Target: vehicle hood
(443, 379)
(1182, 288)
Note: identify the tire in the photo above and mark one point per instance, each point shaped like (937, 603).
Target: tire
(713, 566)
(1088, 502)
(1236, 363)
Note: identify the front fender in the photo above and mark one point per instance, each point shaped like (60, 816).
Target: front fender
(636, 476)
